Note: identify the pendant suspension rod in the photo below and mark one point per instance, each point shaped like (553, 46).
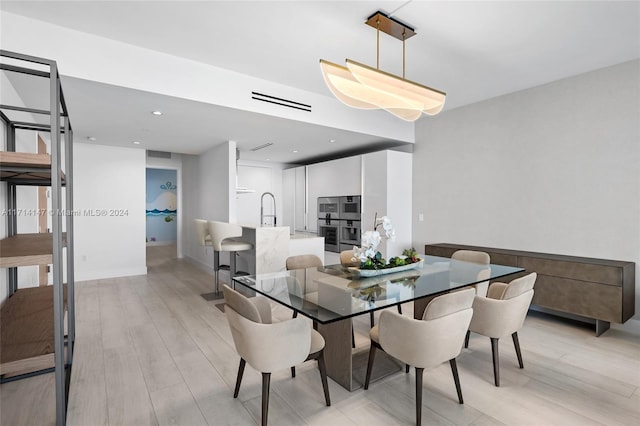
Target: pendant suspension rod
(378, 44)
(403, 53)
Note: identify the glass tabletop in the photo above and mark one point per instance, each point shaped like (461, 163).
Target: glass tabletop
(332, 293)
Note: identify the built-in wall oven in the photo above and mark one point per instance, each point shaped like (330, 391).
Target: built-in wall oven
(330, 230)
(349, 234)
(339, 222)
(328, 207)
(350, 207)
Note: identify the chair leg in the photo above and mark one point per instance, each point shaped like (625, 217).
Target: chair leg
(323, 377)
(266, 379)
(295, 314)
(466, 339)
(400, 309)
(419, 372)
(372, 356)
(456, 379)
(232, 268)
(239, 378)
(371, 319)
(293, 371)
(216, 269)
(406, 368)
(496, 361)
(516, 343)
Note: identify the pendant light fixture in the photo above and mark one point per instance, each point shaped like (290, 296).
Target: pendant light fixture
(360, 86)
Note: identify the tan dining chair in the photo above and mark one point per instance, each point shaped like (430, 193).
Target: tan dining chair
(267, 346)
(425, 343)
(302, 261)
(479, 257)
(348, 259)
(502, 313)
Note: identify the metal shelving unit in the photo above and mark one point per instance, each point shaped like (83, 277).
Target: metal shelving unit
(26, 312)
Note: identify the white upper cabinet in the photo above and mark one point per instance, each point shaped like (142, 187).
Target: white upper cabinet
(288, 200)
(300, 196)
(331, 178)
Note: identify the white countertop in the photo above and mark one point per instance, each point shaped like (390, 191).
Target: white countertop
(301, 234)
(258, 226)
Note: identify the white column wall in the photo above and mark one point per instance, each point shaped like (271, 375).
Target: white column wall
(109, 198)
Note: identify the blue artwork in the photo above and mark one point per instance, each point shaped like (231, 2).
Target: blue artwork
(161, 207)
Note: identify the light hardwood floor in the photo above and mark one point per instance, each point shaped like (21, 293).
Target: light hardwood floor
(150, 350)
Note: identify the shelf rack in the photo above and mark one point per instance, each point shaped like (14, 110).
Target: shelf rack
(33, 339)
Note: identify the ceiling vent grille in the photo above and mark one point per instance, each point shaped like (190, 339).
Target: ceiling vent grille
(158, 154)
(259, 147)
(280, 101)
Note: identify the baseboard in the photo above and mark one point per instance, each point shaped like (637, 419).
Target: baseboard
(200, 265)
(109, 273)
(631, 326)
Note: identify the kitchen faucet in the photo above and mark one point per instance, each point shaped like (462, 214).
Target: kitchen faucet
(262, 215)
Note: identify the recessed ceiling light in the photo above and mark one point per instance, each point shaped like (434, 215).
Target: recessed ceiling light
(156, 112)
(268, 159)
(136, 142)
(295, 151)
(332, 140)
(91, 138)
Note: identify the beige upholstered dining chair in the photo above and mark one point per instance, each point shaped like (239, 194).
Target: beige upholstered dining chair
(502, 313)
(268, 346)
(479, 257)
(303, 261)
(347, 258)
(425, 343)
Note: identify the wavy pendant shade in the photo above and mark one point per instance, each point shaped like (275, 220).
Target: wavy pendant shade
(360, 86)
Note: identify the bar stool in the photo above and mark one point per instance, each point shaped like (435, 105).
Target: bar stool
(224, 237)
(202, 232)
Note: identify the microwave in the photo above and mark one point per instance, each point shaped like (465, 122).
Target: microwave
(350, 208)
(328, 207)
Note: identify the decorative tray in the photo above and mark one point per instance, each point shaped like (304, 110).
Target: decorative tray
(365, 273)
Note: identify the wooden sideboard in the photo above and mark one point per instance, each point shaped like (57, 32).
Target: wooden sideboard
(603, 290)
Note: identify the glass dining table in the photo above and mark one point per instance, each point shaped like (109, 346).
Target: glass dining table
(333, 295)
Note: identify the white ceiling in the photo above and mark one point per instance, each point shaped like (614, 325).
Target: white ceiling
(472, 50)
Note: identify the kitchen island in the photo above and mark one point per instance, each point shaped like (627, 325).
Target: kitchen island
(271, 247)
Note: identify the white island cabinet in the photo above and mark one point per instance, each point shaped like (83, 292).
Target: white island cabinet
(270, 249)
(272, 246)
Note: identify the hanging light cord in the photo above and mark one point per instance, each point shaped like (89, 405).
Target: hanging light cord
(378, 43)
(403, 52)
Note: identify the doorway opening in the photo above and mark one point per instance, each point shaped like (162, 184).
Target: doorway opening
(162, 215)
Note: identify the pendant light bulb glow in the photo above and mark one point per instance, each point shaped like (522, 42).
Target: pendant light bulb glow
(360, 86)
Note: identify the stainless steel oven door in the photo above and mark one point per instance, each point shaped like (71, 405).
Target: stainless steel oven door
(350, 207)
(329, 229)
(328, 207)
(350, 233)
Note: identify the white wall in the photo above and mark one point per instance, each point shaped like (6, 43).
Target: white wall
(110, 179)
(553, 169)
(261, 177)
(331, 179)
(386, 191)
(209, 193)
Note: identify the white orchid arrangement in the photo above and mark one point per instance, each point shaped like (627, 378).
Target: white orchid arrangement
(368, 254)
